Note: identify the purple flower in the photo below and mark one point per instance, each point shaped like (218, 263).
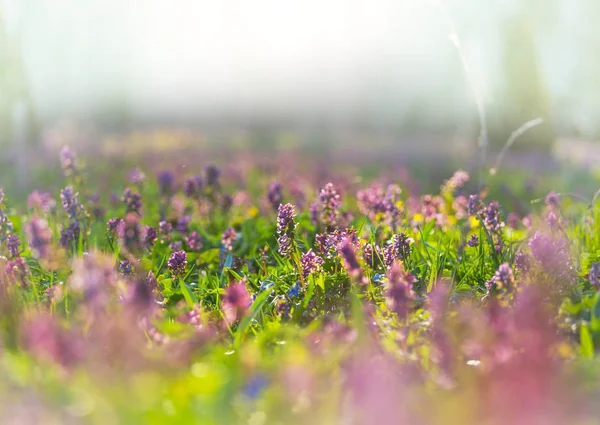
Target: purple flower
(552, 254)
(350, 261)
(502, 281)
(166, 181)
(458, 180)
(17, 269)
(310, 263)
(39, 235)
(285, 245)
(226, 202)
(131, 236)
(13, 243)
(228, 239)
(183, 223)
(194, 241)
(41, 201)
(165, 228)
(113, 225)
(473, 204)
(68, 160)
(176, 246)
(236, 301)
(552, 199)
(328, 206)
(552, 220)
(402, 244)
(491, 217)
(150, 236)
(126, 267)
(285, 219)
(192, 187)
(136, 176)
(399, 292)
(376, 203)
(595, 275)
(274, 195)
(70, 204)
(522, 262)
(177, 262)
(211, 175)
(473, 241)
(70, 234)
(132, 201)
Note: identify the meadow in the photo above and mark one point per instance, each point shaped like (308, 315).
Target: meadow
(285, 290)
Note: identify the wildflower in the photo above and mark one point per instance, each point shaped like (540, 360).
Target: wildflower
(183, 223)
(376, 203)
(70, 234)
(472, 205)
(594, 275)
(226, 202)
(93, 274)
(513, 220)
(150, 236)
(39, 235)
(552, 199)
(228, 239)
(402, 244)
(176, 246)
(192, 187)
(458, 180)
(328, 205)
(285, 245)
(350, 260)
(194, 241)
(286, 228)
(113, 225)
(502, 281)
(68, 161)
(13, 243)
(97, 208)
(41, 201)
(310, 263)
(131, 234)
(17, 269)
(165, 228)
(491, 216)
(132, 201)
(166, 181)
(473, 241)
(211, 175)
(236, 301)
(274, 195)
(522, 261)
(177, 262)
(136, 176)
(552, 254)
(294, 291)
(285, 218)
(71, 205)
(126, 267)
(399, 291)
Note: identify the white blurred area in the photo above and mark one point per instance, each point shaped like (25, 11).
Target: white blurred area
(385, 62)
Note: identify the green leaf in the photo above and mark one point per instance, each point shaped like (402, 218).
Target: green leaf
(189, 296)
(255, 309)
(587, 344)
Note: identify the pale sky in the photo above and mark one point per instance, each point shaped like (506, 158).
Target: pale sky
(178, 56)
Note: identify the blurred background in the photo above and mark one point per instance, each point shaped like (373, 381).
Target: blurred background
(382, 74)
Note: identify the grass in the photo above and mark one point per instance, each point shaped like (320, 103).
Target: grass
(483, 313)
